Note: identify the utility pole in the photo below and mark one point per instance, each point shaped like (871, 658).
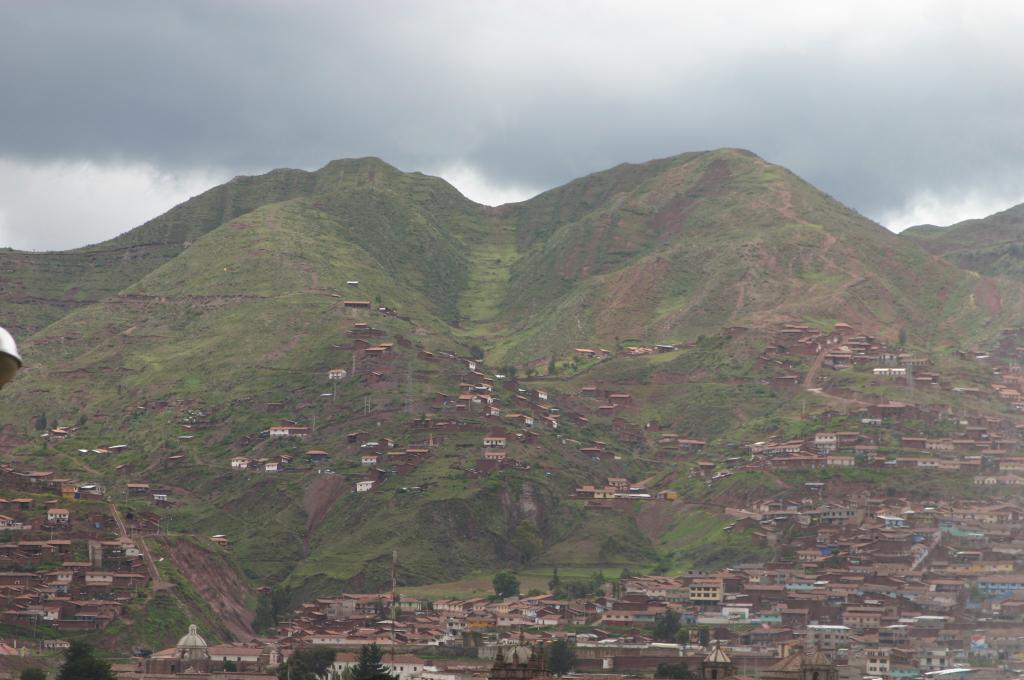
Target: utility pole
(394, 603)
(408, 386)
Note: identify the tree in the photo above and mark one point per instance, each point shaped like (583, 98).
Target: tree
(577, 589)
(666, 626)
(677, 671)
(903, 337)
(552, 367)
(230, 666)
(561, 657)
(505, 584)
(370, 665)
(704, 636)
(80, 664)
(269, 609)
(33, 674)
(307, 663)
(555, 583)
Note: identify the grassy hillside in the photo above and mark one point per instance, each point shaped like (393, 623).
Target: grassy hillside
(38, 288)
(189, 337)
(674, 248)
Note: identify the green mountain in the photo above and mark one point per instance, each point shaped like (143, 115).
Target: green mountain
(190, 336)
(992, 245)
(37, 288)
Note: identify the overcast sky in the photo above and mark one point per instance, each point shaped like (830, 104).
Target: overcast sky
(112, 112)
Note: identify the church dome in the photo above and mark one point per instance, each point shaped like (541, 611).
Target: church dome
(192, 640)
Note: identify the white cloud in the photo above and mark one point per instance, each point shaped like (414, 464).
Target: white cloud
(928, 207)
(475, 186)
(60, 205)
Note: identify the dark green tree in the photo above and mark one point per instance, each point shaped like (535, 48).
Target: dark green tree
(269, 608)
(552, 367)
(33, 674)
(903, 337)
(676, 671)
(80, 664)
(555, 583)
(230, 666)
(371, 665)
(704, 636)
(505, 584)
(307, 663)
(561, 657)
(666, 625)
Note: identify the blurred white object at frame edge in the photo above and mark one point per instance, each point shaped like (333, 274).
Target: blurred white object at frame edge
(10, 360)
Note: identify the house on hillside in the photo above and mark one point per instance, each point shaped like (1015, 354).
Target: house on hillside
(496, 439)
(522, 419)
(826, 442)
(289, 431)
(364, 485)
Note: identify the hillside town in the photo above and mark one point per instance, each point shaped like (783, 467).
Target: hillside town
(864, 581)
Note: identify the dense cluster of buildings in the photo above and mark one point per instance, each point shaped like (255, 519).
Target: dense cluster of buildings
(66, 567)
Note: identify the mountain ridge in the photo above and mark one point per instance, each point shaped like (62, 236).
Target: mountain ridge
(989, 245)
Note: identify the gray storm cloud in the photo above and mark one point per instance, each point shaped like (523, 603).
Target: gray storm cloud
(908, 113)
